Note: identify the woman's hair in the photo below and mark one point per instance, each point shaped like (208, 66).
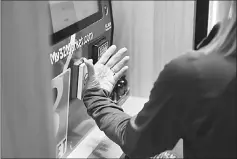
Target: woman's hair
(225, 41)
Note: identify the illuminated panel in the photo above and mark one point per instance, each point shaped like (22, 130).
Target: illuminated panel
(66, 13)
(84, 9)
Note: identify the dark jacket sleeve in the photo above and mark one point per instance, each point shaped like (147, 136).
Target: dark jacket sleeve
(156, 128)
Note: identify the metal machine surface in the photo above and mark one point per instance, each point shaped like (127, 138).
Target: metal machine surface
(79, 29)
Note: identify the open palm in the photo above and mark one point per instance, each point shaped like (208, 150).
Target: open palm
(108, 70)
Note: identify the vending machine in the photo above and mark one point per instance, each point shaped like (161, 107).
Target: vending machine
(79, 29)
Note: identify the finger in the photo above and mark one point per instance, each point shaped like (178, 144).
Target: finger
(105, 57)
(120, 65)
(118, 75)
(115, 59)
(90, 67)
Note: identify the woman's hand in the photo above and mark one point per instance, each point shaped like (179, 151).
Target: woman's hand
(108, 70)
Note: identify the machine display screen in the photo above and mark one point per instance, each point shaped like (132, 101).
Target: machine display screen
(66, 13)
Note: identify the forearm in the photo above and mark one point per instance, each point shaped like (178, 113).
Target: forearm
(109, 117)
(156, 128)
(135, 140)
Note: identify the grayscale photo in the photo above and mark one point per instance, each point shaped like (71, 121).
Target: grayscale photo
(118, 79)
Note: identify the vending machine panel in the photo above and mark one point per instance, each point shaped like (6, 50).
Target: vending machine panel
(80, 29)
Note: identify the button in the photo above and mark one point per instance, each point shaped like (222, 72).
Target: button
(102, 49)
(98, 49)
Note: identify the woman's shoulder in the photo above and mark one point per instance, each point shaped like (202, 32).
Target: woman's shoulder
(194, 69)
(183, 66)
(181, 72)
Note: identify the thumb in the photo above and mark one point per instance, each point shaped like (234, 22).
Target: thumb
(90, 67)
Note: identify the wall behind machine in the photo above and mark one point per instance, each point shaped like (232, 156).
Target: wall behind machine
(154, 32)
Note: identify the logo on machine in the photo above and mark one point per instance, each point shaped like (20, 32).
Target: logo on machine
(108, 26)
(69, 49)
